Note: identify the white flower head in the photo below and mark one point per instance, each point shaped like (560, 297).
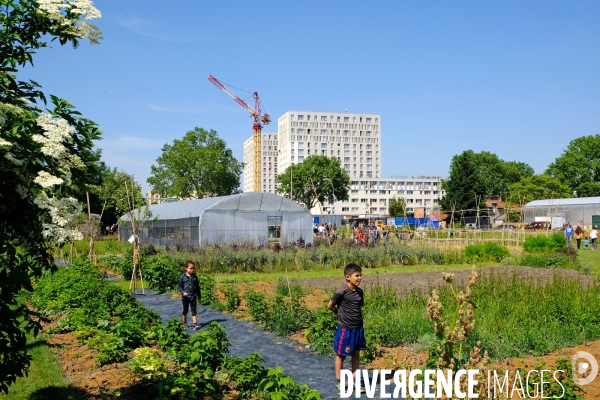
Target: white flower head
(84, 8)
(5, 143)
(46, 180)
(56, 132)
(62, 212)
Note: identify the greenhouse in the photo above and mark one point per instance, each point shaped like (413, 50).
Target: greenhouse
(254, 218)
(576, 210)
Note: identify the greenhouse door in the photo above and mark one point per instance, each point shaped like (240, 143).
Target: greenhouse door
(274, 224)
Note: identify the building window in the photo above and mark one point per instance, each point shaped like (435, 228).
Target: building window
(345, 209)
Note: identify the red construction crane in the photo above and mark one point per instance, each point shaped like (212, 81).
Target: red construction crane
(260, 119)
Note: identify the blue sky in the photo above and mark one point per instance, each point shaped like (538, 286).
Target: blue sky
(517, 78)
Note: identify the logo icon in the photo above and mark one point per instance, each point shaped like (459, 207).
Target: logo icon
(589, 367)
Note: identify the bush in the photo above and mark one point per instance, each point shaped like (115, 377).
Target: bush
(208, 284)
(485, 252)
(321, 331)
(171, 336)
(161, 273)
(543, 244)
(232, 296)
(246, 372)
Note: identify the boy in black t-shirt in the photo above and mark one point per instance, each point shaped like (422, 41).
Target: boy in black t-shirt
(346, 304)
(189, 287)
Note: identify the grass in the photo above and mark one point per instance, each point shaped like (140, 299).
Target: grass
(45, 379)
(591, 258)
(275, 276)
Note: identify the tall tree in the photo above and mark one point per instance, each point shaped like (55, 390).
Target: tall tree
(579, 164)
(464, 188)
(45, 159)
(321, 174)
(475, 177)
(538, 187)
(114, 194)
(199, 165)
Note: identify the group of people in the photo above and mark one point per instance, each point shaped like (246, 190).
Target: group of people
(579, 234)
(368, 233)
(328, 231)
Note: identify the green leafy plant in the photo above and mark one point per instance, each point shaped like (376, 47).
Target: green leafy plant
(246, 372)
(320, 332)
(277, 386)
(148, 364)
(171, 336)
(232, 296)
(485, 252)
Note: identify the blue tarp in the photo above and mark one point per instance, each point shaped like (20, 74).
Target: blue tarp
(426, 222)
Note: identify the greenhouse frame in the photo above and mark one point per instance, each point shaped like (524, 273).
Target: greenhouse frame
(254, 218)
(575, 210)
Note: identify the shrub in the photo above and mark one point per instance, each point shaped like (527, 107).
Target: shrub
(485, 252)
(542, 243)
(208, 285)
(246, 372)
(320, 332)
(258, 306)
(148, 364)
(161, 273)
(171, 336)
(232, 296)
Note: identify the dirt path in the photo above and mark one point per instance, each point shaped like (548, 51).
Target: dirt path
(303, 365)
(404, 282)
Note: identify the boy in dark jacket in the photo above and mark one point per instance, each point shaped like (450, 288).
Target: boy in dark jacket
(189, 287)
(347, 303)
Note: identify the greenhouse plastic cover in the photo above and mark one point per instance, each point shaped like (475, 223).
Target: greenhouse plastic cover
(556, 202)
(252, 201)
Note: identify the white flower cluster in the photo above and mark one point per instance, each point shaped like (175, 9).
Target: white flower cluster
(46, 180)
(55, 132)
(84, 8)
(5, 143)
(62, 212)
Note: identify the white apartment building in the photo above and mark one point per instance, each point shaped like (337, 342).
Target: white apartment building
(372, 196)
(354, 139)
(268, 163)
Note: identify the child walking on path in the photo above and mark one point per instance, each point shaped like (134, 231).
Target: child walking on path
(189, 287)
(347, 304)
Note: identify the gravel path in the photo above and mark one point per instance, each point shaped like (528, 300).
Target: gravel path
(303, 365)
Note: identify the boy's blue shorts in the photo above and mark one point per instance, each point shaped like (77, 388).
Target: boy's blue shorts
(348, 340)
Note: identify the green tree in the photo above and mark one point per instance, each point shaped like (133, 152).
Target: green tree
(464, 188)
(200, 165)
(538, 187)
(317, 173)
(114, 193)
(397, 208)
(579, 164)
(588, 189)
(475, 177)
(45, 159)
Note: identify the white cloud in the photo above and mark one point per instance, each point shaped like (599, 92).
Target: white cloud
(153, 29)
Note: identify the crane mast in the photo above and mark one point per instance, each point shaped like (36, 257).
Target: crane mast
(259, 118)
